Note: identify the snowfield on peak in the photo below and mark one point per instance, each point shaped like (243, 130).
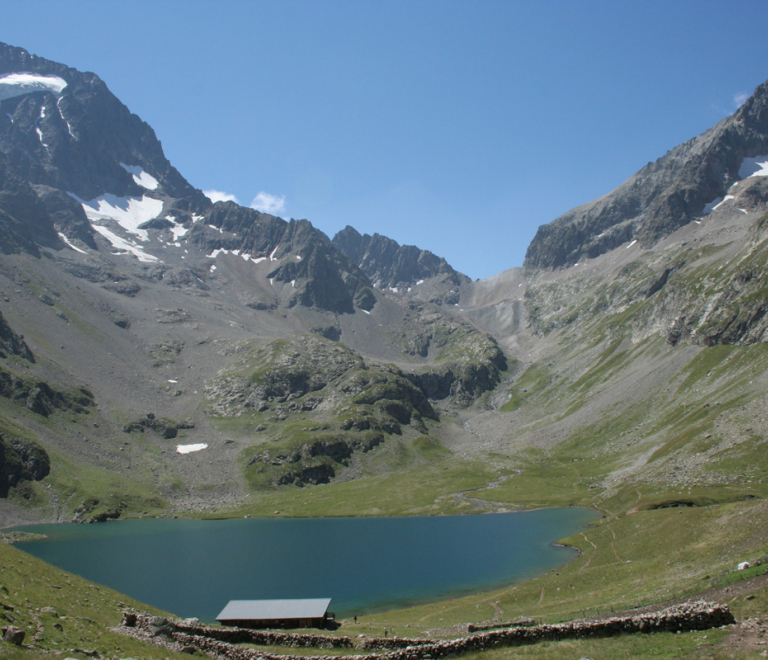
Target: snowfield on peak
(128, 212)
(18, 84)
(125, 245)
(141, 177)
(178, 230)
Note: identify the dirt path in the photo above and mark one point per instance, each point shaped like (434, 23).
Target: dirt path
(589, 561)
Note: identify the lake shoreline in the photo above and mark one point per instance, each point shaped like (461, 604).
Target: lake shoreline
(368, 564)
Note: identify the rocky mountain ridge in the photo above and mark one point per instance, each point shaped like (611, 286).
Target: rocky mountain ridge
(401, 267)
(664, 195)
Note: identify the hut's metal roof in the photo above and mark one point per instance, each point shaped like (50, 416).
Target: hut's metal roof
(302, 608)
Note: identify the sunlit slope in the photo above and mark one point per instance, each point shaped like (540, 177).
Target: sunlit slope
(647, 385)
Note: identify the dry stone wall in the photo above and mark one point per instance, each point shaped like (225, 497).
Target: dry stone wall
(222, 642)
(160, 626)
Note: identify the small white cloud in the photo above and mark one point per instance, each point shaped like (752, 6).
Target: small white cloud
(739, 99)
(218, 196)
(267, 203)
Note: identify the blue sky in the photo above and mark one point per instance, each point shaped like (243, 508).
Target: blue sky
(457, 126)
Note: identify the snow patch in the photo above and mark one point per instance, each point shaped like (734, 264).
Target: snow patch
(172, 381)
(631, 244)
(68, 242)
(215, 228)
(293, 283)
(144, 179)
(419, 282)
(757, 166)
(178, 231)
(258, 260)
(61, 114)
(188, 449)
(298, 257)
(219, 251)
(125, 245)
(365, 311)
(724, 200)
(128, 212)
(38, 130)
(272, 255)
(18, 84)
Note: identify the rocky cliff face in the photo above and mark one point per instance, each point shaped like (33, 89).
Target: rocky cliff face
(74, 159)
(348, 405)
(21, 461)
(390, 265)
(12, 343)
(65, 129)
(303, 257)
(661, 197)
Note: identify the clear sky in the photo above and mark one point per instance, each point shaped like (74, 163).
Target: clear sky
(457, 126)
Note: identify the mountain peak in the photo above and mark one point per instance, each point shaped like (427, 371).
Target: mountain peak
(664, 195)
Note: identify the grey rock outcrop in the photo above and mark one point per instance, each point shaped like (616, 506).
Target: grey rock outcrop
(76, 140)
(21, 461)
(388, 263)
(13, 635)
(12, 343)
(662, 196)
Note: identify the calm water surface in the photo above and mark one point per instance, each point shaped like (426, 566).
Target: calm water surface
(194, 567)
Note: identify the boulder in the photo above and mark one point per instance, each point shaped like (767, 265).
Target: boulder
(13, 635)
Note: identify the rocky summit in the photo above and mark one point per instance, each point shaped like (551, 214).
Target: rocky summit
(161, 354)
(677, 189)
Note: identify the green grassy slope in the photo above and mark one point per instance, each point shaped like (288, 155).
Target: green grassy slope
(81, 616)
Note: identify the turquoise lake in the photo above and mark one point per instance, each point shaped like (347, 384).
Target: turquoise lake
(194, 567)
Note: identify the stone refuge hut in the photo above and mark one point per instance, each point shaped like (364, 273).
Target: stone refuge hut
(290, 613)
